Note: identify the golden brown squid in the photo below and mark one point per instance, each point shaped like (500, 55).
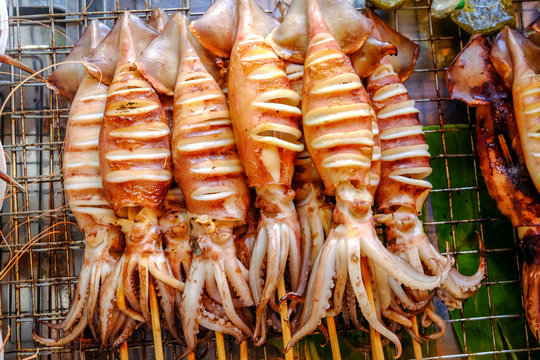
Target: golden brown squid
(337, 120)
(135, 166)
(208, 170)
(501, 159)
(103, 239)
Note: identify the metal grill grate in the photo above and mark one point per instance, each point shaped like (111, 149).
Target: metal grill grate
(41, 284)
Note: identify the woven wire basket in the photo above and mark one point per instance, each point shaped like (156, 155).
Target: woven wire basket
(42, 246)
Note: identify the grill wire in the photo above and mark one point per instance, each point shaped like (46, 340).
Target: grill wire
(39, 227)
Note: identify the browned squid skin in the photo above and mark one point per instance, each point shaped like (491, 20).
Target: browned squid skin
(530, 248)
(400, 196)
(407, 51)
(135, 166)
(501, 159)
(313, 208)
(104, 241)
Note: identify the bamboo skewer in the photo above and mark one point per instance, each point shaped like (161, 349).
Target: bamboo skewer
(416, 346)
(283, 313)
(375, 337)
(124, 351)
(243, 350)
(154, 314)
(220, 345)
(334, 342)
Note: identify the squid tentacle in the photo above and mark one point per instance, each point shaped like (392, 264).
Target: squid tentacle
(354, 257)
(190, 306)
(320, 283)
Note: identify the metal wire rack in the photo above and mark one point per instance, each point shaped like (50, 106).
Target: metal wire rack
(41, 229)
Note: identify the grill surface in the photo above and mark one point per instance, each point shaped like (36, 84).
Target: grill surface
(39, 231)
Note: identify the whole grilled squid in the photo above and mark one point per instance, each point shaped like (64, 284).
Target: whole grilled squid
(401, 194)
(338, 119)
(502, 159)
(208, 170)
(265, 119)
(104, 241)
(135, 167)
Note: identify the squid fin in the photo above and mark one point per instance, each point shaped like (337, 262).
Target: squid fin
(159, 62)
(367, 58)
(158, 19)
(473, 60)
(216, 29)
(66, 78)
(512, 52)
(129, 36)
(407, 50)
(349, 27)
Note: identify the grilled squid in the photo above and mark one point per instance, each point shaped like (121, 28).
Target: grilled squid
(501, 158)
(135, 167)
(402, 191)
(82, 183)
(337, 120)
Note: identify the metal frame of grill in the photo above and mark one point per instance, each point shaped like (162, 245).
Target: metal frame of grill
(39, 227)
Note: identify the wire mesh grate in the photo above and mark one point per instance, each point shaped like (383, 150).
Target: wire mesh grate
(39, 227)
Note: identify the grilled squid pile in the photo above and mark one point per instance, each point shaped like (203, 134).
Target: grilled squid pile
(218, 160)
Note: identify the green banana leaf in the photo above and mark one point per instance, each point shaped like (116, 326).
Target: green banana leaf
(495, 315)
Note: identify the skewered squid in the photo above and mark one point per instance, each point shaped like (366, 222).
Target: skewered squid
(104, 241)
(501, 159)
(350, 314)
(405, 164)
(314, 212)
(313, 209)
(208, 170)
(266, 124)
(135, 166)
(337, 122)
